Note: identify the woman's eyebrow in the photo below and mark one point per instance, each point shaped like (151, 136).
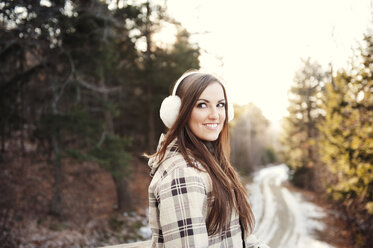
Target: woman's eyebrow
(201, 99)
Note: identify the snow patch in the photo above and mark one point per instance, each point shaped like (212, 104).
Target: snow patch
(284, 218)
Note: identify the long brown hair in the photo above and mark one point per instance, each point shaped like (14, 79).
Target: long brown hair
(228, 192)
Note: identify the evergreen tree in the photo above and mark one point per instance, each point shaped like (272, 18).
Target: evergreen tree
(300, 130)
(346, 143)
(347, 131)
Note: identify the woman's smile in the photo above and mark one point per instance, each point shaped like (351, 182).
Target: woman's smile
(211, 126)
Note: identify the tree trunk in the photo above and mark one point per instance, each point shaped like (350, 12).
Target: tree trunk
(109, 126)
(149, 95)
(151, 128)
(21, 124)
(56, 205)
(123, 194)
(3, 137)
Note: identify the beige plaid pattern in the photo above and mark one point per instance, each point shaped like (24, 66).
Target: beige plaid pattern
(179, 198)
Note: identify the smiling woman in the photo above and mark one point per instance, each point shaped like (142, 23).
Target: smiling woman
(195, 197)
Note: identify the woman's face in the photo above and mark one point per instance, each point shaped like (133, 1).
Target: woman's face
(208, 114)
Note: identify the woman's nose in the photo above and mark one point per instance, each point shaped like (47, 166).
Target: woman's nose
(214, 114)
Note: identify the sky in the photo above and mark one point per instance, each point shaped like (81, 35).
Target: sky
(256, 46)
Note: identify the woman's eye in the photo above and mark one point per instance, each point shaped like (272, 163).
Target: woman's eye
(201, 105)
(221, 105)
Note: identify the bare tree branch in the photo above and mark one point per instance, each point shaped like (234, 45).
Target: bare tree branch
(102, 90)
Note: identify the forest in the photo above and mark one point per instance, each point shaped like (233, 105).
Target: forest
(81, 83)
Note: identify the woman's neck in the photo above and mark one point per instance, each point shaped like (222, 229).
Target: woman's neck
(209, 146)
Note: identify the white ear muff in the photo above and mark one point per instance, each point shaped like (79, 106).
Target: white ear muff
(170, 106)
(169, 111)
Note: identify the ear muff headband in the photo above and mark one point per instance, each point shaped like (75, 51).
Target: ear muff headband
(181, 79)
(170, 106)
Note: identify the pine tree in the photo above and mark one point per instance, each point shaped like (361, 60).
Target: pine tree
(300, 131)
(347, 131)
(346, 141)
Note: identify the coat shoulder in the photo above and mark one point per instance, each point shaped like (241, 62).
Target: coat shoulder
(168, 168)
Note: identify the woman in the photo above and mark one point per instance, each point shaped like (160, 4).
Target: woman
(195, 196)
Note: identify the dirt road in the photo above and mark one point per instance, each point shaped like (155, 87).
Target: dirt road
(283, 218)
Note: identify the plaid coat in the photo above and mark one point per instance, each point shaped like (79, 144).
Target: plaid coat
(179, 198)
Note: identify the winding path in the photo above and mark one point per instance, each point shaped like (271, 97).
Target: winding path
(284, 218)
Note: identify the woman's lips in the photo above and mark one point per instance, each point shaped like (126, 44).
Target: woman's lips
(211, 126)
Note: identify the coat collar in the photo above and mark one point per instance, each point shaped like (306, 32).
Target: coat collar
(171, 150)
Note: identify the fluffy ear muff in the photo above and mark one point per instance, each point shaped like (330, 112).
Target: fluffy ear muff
(169, 111)
(230, 112)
